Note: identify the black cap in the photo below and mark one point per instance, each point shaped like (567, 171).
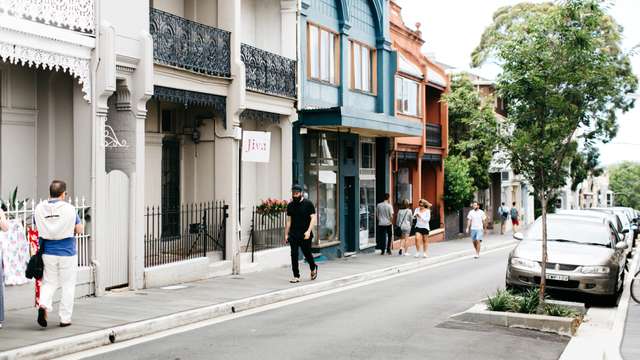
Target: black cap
(297, 187)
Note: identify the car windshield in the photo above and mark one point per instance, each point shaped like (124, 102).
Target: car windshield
(583, 232)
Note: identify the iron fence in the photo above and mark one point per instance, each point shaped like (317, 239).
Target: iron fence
(267, 231)
(201, 228)
(22, 211)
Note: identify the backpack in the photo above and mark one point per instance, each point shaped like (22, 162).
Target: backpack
(503, 212)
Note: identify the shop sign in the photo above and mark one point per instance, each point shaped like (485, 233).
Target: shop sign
(256, 146)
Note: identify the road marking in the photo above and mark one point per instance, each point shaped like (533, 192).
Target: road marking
(258, 310)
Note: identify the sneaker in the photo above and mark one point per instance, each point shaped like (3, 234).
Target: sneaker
(417, 255)
(42, 317)
(400, 252)
(407, 254)
(424, 256)
(65, 324)
(294, 280)
(476, 256)
(314, 273)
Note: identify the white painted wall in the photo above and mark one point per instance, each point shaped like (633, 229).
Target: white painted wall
(175, 7)
(261, 24)
(18, 117)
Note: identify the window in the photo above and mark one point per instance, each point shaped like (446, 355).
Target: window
(362, 60)
(322, 59)
(407, 96)
(504, 175)
(367, 156)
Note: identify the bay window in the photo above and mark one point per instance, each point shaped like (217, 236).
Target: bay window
(407, 96)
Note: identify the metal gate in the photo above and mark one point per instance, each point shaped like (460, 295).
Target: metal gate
(116, 272)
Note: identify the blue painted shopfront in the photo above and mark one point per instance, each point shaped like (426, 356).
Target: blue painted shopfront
(342, 139)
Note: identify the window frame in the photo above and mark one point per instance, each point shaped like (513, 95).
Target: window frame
(372, 67)
(419, 92)
(320, 30)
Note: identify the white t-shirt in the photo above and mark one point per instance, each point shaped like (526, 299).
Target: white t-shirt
(423, 218)
(477, 218)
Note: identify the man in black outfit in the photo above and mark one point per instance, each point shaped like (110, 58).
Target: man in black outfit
(301, 218)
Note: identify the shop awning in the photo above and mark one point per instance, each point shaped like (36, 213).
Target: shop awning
(358, 121)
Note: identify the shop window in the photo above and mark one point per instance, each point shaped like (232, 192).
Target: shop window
(362, 63)
(407, 96)
(323, 45)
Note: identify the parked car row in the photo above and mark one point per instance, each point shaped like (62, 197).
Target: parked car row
(587, 252)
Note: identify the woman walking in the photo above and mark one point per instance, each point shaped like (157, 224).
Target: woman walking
(3, 227)
(403, 222)
(422, 215)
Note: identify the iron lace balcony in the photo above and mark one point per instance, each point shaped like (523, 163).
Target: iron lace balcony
(189, 45)
(269, 73)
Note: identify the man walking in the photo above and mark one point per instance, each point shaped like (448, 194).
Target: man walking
(476, 223)
(58, 223)
(504, 215)
(515, 222)
(384, 214)
(301, 218)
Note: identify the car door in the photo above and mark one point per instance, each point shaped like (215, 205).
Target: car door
(620, 255)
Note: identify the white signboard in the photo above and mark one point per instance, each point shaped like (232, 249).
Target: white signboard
(256, 146)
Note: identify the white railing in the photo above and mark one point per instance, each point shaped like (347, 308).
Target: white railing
(22, 211)
(77, 15)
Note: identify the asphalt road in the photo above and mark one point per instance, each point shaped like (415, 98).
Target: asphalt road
(401, 318)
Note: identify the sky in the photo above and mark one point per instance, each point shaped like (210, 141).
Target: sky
(452, 29)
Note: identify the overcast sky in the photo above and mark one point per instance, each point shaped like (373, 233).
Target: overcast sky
(452, 29)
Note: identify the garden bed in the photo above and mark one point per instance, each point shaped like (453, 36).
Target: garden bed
(524, 311)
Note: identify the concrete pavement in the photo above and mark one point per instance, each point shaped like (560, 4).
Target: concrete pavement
(405, 317)
(138, 313)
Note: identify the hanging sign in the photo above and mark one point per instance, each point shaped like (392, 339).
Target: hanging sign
(256, 146)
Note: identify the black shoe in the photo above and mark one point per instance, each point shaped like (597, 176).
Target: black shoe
(42, 317)
(314, 273)
(65, 324)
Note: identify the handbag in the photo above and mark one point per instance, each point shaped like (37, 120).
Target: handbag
(398, 228)
(413, 227)
(35, 267)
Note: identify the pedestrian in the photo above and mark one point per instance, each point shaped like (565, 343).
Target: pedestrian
(4, 226)
(384, 214)
(301, 218)
(476, 223)
(504, 216)
(403, 222)
(515, 222)
(57, 223)
(422, 214)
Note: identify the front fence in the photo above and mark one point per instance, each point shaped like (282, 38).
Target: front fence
(22, 211)
(201, 228)
(267, 231)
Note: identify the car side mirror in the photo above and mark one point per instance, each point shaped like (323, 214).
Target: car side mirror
(518, 236)
(622, 245)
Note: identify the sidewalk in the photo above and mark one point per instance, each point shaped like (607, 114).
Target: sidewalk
(128, 308)
(630, 347)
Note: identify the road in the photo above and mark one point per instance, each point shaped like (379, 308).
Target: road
(405, 317)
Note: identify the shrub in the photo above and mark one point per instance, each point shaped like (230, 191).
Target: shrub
(559, 310)
(528, 303)
(501, 301)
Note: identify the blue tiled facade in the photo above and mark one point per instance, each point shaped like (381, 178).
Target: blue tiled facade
(342, 138)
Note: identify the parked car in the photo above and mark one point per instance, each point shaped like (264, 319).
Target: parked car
(633, 218)
(615, 219)
(626, 224)
(585, 255)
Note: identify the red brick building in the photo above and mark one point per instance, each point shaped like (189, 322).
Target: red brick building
(417, 169)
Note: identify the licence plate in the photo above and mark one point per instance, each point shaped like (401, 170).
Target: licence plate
(557, 277)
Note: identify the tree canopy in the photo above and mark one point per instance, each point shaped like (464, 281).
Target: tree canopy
(624, 181)
(458, 184)
(472, 128)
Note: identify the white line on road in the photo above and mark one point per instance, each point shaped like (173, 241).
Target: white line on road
(224, 318)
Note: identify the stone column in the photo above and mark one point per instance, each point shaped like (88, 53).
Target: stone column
(288, 28)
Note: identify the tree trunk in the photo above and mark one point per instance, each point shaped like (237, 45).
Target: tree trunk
(543, 273)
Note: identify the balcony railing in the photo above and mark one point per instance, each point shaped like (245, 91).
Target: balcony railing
(434, 135)
(269, 73)
(189, 45)
(74, 15)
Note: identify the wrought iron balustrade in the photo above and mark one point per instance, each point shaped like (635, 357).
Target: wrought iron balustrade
(269, 73)
(434, 135)
(190, 45)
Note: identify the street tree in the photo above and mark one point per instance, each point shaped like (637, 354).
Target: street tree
(472, 128)
(624, 181)
(458, 184)
(564, 79)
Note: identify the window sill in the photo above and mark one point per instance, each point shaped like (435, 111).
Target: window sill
(322, 82)
(362, 92)
(415, 117)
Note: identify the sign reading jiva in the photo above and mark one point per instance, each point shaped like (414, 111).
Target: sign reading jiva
(256, 146)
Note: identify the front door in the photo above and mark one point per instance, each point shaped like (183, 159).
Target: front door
(170, 188)
(350, 212)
